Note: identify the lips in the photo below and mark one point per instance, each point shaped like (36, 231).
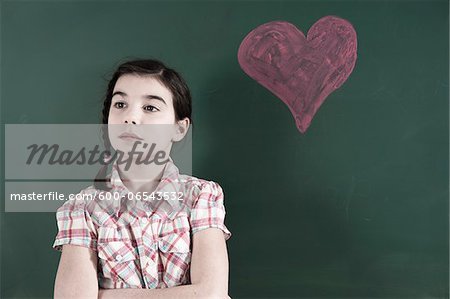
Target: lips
(128, 135)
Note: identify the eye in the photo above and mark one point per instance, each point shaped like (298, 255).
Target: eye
(151, 108)
(119, 105)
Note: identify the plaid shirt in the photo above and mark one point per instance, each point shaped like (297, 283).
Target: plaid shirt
(142, 244)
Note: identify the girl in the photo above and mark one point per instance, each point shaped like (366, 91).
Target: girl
(164, 248)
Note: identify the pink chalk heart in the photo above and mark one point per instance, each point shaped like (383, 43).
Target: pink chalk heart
(300, 71)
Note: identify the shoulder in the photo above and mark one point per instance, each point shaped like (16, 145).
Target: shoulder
(200, 191)
(206, 203)
(198, 184)
(91, 204)
(82, 201)
(75, 225)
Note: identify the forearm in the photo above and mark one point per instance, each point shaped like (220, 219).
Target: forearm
(182, 291)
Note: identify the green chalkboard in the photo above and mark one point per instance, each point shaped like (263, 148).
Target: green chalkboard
(356, 207)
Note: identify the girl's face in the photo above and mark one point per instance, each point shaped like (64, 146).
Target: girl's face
(141, 111)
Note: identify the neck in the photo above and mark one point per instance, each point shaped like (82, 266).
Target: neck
(141, 177)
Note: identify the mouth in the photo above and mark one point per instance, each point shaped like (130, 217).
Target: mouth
(129, 136)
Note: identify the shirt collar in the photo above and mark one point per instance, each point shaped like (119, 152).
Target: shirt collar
(169, 184)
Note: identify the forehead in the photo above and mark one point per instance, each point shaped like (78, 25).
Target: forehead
(139, 85)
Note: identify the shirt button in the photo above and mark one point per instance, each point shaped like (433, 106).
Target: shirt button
(144, 220)
(118, 257)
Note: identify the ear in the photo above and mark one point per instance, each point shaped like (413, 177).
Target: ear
(181, 128)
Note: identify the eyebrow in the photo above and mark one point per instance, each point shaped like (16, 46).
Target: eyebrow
(147, 96)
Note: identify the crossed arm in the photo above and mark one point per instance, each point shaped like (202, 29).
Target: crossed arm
(77, 273)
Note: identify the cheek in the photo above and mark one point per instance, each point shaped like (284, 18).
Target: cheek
(113, 118)
(159, 134)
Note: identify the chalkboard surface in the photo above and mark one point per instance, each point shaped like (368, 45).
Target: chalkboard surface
(356, 207)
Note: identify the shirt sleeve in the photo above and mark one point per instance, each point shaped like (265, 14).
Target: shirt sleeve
(75, 226)
(208, 209)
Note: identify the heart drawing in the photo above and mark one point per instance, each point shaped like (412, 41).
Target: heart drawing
(301, 71)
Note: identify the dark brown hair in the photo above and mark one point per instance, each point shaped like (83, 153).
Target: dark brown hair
(172, 80)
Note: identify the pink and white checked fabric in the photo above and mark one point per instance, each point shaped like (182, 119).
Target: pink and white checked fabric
(142, 244)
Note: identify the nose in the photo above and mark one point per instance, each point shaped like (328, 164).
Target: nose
(132, 115)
